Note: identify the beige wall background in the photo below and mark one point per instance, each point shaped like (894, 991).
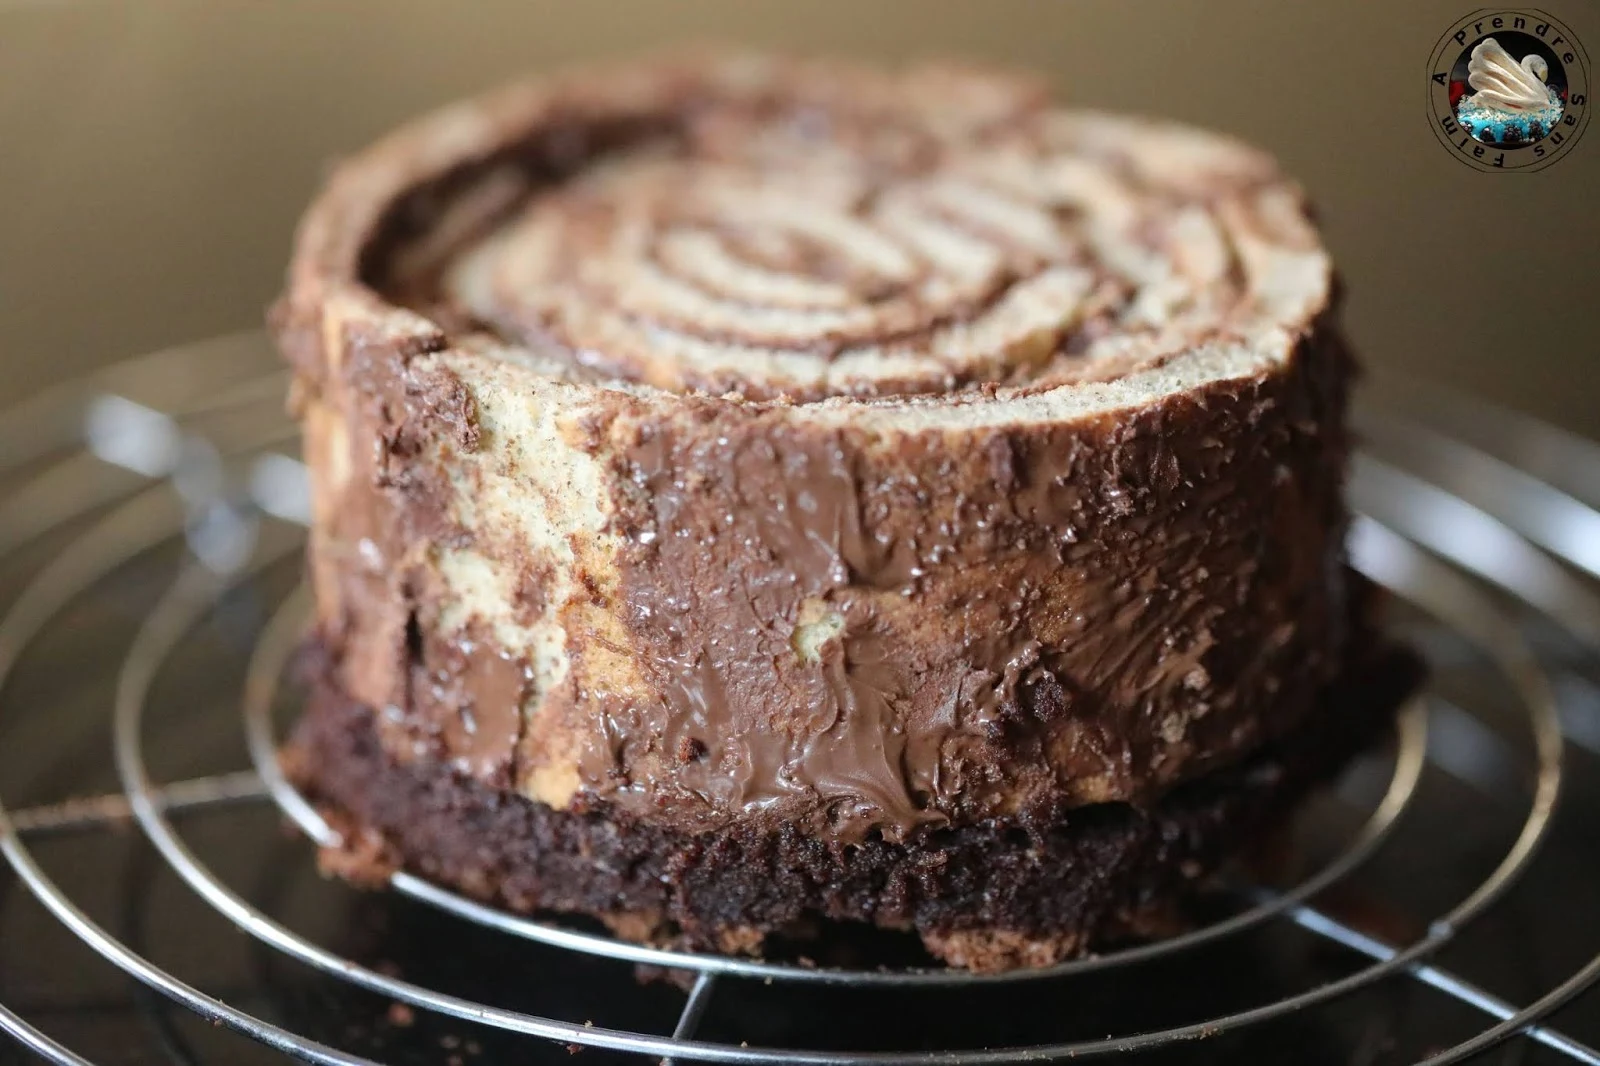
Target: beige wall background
(154, 155)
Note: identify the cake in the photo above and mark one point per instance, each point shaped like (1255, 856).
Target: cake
(752, 492)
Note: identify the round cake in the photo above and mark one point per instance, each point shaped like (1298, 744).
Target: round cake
(750, 491)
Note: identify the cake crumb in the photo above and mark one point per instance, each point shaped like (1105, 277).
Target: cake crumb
(363, 858)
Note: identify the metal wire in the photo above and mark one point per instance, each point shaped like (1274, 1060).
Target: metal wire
(1501, 641)
(37, 1041)
(693, 1010)
(129, 529)
(180, 609)
(1399, 495)
(179, 380)
(1448, 983)
(1546, 516)
(96, 811)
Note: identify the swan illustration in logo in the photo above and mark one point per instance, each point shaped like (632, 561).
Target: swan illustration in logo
(1511, 104)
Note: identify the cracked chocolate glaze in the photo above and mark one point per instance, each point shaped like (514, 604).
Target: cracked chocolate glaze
(740, 438)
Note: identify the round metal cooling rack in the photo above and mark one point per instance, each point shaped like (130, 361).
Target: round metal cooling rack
(187, 449)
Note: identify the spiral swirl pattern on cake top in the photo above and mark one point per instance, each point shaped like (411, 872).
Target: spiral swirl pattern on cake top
(807, 248)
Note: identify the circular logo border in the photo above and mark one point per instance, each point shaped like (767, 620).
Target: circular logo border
(1441, 113)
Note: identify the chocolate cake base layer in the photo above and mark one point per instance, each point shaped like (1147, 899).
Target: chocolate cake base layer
(997, 895)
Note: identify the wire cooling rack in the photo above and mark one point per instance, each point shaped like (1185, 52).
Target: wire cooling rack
(1437, 907)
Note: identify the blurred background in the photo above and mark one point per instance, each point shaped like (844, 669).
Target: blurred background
(154, 156)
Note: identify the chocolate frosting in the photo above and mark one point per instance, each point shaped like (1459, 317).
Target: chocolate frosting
(741, 438)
